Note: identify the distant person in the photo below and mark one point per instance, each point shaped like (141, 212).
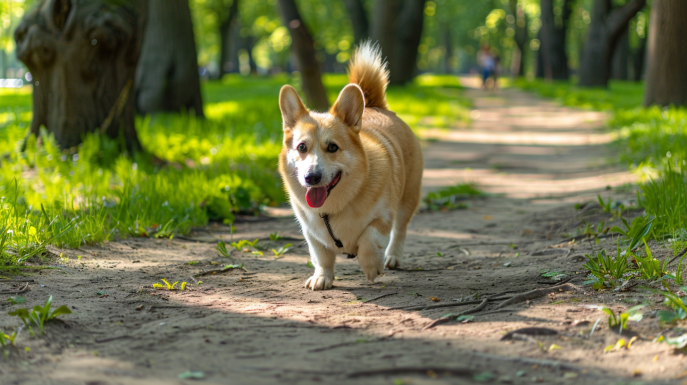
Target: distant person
(488, 63)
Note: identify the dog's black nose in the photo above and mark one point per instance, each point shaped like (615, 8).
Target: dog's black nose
(312, 178)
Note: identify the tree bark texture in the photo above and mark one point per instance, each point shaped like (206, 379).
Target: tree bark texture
(397, 27)
(227, 27)
(554, 57)
(521, 33)
(303, 49)
(604, 32)
(620, 69)
(666, 76)
(83, 56)
(167, 76)
(359, 20)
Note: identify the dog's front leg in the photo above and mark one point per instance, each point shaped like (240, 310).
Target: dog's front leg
(323, 260)
(371, 248)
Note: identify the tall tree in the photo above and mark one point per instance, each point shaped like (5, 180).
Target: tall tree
(227, 27)
(304, 51)
(666, 76)
(606, 26)
(521, 34)
(359, 20)
(554, 58)
(397, 27)
(83, 56)
(620, 67)
(167, 76)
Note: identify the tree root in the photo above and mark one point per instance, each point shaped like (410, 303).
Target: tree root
(410, 370)
(22, 290)
(448, 318)
(537, 293)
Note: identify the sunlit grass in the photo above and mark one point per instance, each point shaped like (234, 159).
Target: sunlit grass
(213, 168)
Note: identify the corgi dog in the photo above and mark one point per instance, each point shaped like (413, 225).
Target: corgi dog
(352, 174)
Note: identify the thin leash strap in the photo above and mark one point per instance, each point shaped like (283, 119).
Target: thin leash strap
(331, 233)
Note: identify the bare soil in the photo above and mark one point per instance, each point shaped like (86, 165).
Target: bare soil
(260, 326)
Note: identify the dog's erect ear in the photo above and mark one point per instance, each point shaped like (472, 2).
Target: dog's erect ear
(292, 108)
(349, 107)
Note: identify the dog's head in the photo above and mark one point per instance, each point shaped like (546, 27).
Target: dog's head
(323, 150)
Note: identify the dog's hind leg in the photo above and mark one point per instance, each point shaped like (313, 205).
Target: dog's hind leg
(371, 249)
(394, 253)
(323, 259)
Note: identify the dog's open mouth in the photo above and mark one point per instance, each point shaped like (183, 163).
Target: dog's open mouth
(315, 196)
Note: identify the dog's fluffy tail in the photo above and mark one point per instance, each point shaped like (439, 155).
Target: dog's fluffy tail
(369, 72)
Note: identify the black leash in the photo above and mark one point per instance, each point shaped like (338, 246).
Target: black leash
(338, 242)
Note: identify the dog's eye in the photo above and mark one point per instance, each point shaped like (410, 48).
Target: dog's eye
(332, 147)
(302, 147)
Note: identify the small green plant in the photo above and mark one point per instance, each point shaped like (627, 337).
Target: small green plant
(167, 285)
(183, 286)
(620, 322)
(275, 237)
(605, 268)
(439, 254)
(310, 265)
(450, 198)
(40, 315)
(222, 249)
(166, 231)
(677, 305)
(191, 263)
(680, 271)
(7, 339)
(16, 300)
(607, 207)
(635, 231)
(243, 244)
(650, 267)
(282, 250)
(553, 275)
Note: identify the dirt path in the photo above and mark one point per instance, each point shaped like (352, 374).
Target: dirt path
(261, 326)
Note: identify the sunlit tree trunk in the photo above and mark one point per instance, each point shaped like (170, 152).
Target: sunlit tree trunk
(521, 33)
(604, 32)
(167, 76)
(666, 76)
(304, 51)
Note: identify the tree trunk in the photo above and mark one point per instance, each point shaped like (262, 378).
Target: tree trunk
(666, 76)
(604, 32)
(553, 37)
(358, 16)
(226, 28)
(167, 76)
(384, 22)
(303, 49)
(621, 57)
(403, 67)
(638, 60)
(448, 48)
(397, 27)
(518, 64)
(83, 56)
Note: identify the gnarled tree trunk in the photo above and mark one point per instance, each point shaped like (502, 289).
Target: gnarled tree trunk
(304, 50)
(604, 32)
(83, 56)
(666, 76)
(358, 17)
(167, 77)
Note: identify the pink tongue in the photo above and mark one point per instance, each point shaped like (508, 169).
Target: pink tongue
(316, 196)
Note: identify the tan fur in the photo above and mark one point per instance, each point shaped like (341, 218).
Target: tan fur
(380, 161)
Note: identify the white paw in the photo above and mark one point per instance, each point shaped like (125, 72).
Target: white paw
(372, 272)
(319, 282)
(391, 262)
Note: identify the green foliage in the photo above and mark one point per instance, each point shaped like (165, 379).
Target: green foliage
(167, 285)
(282, 250)
(650, 267)
(677, 305)
(274, 236)
(222, 249)
(635, 231)
(666, 199)
(452, 197)
(16, 300)
(39, 315)
(7, 339)
(620, 322)
(605, 268)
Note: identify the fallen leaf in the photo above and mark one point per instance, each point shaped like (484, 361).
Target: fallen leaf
(191, 375)
(570, 375)
(633, 339)
(435, 299)
(554, 347)
(432, 374)
(636, 373)
(487, 217)
(616, 347)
